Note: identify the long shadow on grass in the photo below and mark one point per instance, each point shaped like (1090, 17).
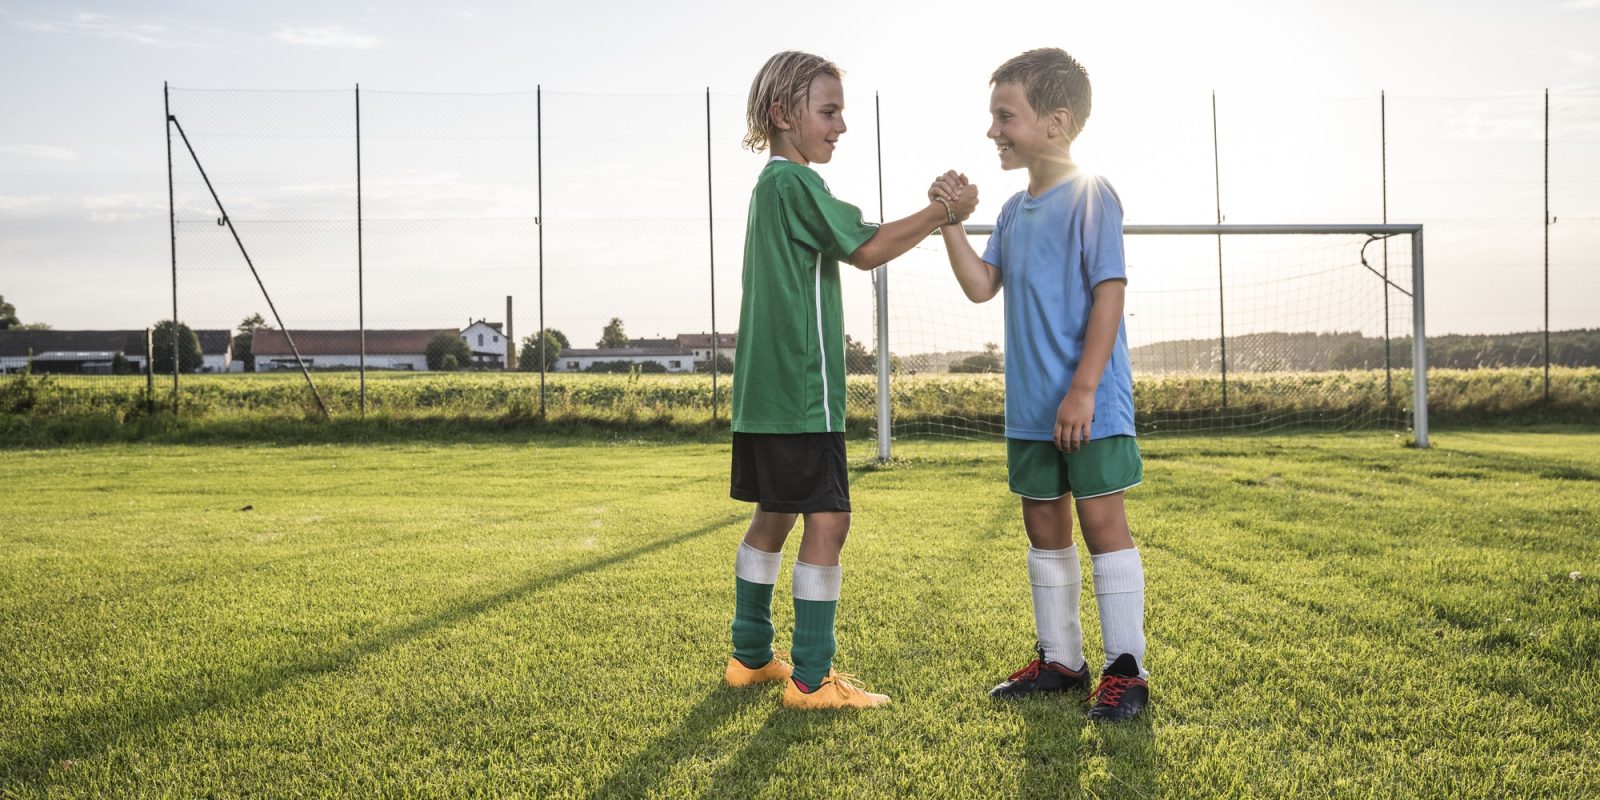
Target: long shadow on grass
(104, 727)
(636, 776)
(749, 770)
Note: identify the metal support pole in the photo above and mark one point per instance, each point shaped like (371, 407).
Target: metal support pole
(361, 289)
(1222, 308)
(880, 288)
(711, 257)
(1547, 245)
(1419, 346)
(538, 126)
(227, 220)
(1383, 156)
(172, 227)
(149, 372)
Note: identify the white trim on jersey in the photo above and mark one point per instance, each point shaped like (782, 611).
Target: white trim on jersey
(822, 346)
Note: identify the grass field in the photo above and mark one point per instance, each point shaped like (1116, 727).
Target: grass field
(1329, 616)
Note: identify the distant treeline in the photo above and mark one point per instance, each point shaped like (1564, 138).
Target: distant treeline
(1318, 352)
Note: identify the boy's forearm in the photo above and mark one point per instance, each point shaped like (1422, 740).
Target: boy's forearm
(896, 238)
(1105, 318)
(978, 280)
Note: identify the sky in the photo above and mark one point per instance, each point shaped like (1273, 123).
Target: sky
(84, 240)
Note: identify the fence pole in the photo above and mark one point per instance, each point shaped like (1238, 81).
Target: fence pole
(1383, 158)
(1222, 309)
(538, 128)
(361, 287)
(149, 372)
(172, 227)
(711, 256)
(880, 286)
(1547, 245)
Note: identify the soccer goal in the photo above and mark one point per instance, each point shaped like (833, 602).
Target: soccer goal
(1231, 329)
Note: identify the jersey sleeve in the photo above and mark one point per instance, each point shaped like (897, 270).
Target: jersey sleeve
(1103, 258)
(822, 222)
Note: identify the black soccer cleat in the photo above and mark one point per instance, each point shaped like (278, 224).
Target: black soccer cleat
(1042, 677)
(1122, 694)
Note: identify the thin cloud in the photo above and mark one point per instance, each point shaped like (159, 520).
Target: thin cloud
(328, 36)
(12, 204)
(39, 151)
(102, 26)
(121, 207)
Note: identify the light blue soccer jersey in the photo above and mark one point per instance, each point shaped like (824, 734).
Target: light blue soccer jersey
(1051, 251)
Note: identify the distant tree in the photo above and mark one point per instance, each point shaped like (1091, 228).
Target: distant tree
(190, 356)
(245, 338)
(8, 315)
(857, 359)
(987, 361)
(448, 352)
(33, 326)
(612, 337)
(724, 364)
(528, 355)
(1358, 354)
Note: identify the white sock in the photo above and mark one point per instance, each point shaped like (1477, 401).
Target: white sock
(1057, 584)
(1119, 589)
(812, 582)
(756, 566)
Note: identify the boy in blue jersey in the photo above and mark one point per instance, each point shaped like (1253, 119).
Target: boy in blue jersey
(1057, 250)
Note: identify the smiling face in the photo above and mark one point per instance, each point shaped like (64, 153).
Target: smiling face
(809, 135)
(1023, 137)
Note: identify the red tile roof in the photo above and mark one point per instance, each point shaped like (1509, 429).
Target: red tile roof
(269, 342)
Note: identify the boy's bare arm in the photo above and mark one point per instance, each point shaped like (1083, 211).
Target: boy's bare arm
(980, 281)
(895, 239)
(1076, 412)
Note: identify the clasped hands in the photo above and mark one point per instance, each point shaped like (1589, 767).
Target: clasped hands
(959, 197)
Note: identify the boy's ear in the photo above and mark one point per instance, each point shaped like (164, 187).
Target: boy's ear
(780, 116)
(1060, 122)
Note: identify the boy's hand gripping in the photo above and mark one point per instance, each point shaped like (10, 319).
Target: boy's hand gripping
(959, 197)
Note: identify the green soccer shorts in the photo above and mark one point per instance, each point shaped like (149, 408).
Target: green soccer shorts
(1039, 471)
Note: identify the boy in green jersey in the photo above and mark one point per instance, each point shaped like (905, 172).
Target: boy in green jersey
(788, 374)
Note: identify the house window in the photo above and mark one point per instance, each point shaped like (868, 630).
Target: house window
(572, 365)
(496, 340)
(675, 364)
(480, 340)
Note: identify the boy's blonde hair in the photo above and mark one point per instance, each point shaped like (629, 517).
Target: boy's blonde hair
(1050, 79)
(785, 79)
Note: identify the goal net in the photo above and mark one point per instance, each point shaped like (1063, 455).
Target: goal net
(1231, 328)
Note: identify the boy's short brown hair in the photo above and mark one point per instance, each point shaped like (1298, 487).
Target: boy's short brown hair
(785, 79)
(1050, 79)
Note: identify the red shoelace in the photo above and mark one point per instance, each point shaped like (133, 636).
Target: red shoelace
(1026, 673)
(1111, 689)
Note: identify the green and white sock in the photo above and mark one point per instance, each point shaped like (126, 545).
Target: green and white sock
(754, 573)
(816, 600)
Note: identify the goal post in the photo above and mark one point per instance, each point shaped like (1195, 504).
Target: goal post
(1232, 328)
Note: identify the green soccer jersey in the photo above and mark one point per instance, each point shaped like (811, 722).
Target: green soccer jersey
(788, 370)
